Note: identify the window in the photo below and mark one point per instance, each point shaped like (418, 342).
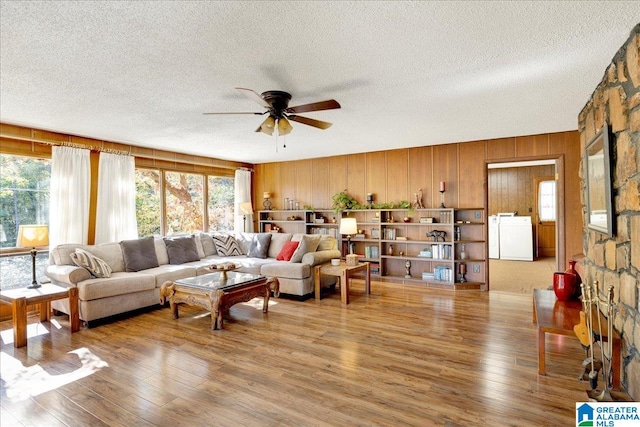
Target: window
(24, 194)
(24, 199)
(547, 200)
(220, 203)
(184, 202)
(184, 196)
(148, 202)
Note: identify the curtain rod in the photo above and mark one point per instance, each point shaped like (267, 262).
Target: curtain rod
(222, 164)
(66, 144)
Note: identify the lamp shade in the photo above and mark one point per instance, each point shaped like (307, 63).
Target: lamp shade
(348, 226)
(268, 125)
(284, 127)
(246, 208)
(30, 236)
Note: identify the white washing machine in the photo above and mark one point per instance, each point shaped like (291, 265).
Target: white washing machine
(516, 238)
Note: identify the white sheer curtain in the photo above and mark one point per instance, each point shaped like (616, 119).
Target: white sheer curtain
(116, 206)
(242, 194)
(69, 199)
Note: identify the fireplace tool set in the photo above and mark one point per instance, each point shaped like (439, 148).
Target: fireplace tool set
(589, 334)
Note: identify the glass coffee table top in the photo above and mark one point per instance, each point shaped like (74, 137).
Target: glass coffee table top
(217, 281)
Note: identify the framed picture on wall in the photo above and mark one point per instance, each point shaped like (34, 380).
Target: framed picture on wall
(599, 191)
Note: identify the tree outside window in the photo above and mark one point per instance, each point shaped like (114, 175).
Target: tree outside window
(148, 206)
(184, 195)
(220, 203)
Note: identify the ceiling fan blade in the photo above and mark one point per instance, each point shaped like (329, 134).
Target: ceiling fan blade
(253, 95)
(242, 112)
(311, 122)
(329, 104)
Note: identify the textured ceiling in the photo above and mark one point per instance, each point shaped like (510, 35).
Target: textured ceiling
(406, 73)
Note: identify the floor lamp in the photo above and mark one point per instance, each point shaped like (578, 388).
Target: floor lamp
(33, 236)
(246, 209)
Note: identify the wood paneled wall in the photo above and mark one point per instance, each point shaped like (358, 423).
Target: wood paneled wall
(396, 175)
(513, 189)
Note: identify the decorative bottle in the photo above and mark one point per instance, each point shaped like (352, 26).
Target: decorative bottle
(576, 277)
(390, 250)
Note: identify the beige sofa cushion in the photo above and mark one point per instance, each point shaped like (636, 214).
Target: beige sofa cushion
(308, 243)
(208, 247)
(286, 269)
(118, 284)
(161, 251)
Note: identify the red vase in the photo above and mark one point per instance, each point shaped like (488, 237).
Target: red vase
(576, 277)
(564, 285)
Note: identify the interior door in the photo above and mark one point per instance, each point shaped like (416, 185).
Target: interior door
(545, 215)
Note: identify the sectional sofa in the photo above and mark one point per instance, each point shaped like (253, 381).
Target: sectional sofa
(119, 277)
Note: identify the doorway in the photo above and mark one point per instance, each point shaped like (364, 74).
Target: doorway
(514, 188)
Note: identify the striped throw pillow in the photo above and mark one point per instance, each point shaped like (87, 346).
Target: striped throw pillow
(95, 265)
(226, 245)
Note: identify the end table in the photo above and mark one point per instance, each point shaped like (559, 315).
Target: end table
(20, 298)
(343, 272)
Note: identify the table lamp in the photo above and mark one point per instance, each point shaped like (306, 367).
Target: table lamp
(33, 236)
(349, 226)
(246, 209)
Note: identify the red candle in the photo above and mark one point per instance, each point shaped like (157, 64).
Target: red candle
(463, 268)
(442, 186)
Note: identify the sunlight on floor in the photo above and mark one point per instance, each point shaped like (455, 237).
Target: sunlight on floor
(22, 382)
(33, 330)
(258, 302)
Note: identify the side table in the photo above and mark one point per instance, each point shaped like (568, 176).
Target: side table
(20, 298)
(343, 272)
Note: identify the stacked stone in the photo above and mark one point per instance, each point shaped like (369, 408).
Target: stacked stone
(616, 260)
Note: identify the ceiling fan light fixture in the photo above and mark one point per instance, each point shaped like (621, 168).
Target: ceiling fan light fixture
(268, 125)
(284, 127)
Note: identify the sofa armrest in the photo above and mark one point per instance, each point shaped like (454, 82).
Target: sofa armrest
(66, 274)
(320, 257)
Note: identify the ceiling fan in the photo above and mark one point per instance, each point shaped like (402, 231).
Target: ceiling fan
(277, 104)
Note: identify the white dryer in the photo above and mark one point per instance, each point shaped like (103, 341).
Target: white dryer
(516, 238)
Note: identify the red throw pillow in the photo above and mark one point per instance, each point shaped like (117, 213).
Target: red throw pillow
(287, 251)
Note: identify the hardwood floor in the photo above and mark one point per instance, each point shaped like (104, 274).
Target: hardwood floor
(405, 355)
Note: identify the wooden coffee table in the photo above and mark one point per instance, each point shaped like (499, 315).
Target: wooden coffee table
(343, 272)
(20, 298)
(216, 293)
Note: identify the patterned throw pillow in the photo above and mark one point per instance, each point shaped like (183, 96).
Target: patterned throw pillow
(226, 245)
(95, 265)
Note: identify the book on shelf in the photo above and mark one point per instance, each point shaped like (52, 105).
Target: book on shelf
(371, 251)
(401, 238)
(440, 251)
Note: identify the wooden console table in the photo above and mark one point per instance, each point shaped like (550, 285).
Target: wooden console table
(559, 317)
(20, 298)
(343, 272)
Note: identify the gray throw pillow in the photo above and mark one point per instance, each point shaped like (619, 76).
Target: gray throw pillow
(259, 245)
(181, 250)
(139, 254)
(308, 243)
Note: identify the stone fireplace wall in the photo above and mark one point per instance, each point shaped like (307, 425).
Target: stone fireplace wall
(616, 261)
